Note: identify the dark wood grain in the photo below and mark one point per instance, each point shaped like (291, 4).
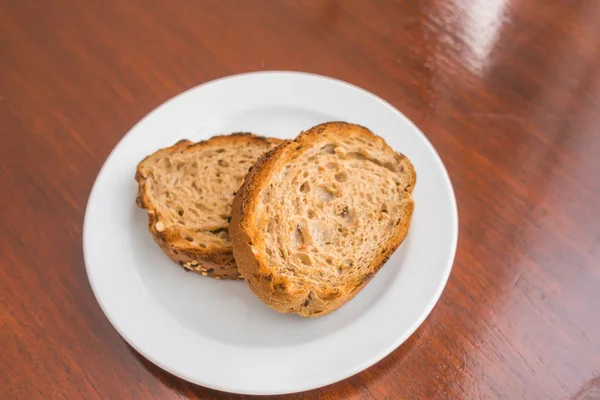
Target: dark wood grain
(508, 91)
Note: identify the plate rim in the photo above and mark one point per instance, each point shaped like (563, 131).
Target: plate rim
(377, 356)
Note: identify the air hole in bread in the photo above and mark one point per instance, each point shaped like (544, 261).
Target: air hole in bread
(365, 157)
(305, 258)
(180, 212)
(356, 156)
(223, 163)
(311, 214)
(222, 233)
(305, 187)
(188, 238)
(220, 151)
(328, 149)
(341, 177)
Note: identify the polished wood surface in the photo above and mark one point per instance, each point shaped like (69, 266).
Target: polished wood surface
(508, 91)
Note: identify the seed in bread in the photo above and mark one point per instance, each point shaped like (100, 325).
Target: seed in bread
(317, 218)
(186, 189)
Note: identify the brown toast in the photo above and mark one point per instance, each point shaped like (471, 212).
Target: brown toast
(318, 217)
(187, 190)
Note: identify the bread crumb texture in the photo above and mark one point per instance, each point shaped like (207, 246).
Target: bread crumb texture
(318, 217)
(188, 190)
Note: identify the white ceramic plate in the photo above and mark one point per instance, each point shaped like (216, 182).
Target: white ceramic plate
(216, 333)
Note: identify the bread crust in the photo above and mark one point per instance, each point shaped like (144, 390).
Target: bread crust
(272, 288)
(218, 263)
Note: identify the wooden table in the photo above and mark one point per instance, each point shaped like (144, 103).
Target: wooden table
(508, 91)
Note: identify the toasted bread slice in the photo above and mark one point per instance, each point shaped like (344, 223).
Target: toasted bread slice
(318, 217)
(188, 189)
